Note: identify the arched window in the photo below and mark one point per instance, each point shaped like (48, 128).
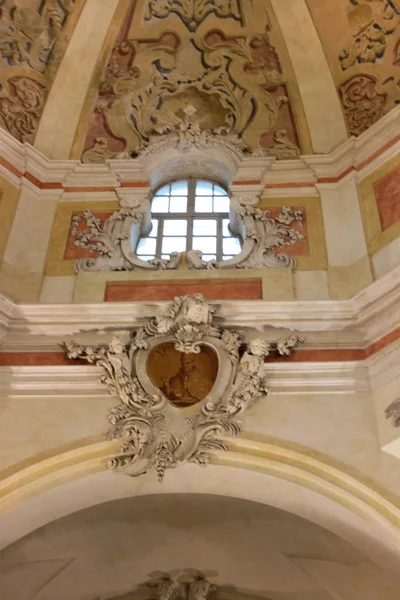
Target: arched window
(190, 214)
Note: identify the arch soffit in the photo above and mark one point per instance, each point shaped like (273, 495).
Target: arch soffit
(263, 472)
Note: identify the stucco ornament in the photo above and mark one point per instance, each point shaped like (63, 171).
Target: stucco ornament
(393, 412)
(168, 421)
(113, 240)
(193, 12)
(187, 134)
(192, 588)
(263, 236)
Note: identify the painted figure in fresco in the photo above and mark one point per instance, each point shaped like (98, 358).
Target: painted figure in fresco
(189, 385)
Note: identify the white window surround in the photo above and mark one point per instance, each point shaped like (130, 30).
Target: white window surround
(184, 153)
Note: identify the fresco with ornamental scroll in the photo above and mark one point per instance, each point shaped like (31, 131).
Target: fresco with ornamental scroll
(220, 57)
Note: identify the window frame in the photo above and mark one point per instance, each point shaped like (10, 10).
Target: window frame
(190, 216)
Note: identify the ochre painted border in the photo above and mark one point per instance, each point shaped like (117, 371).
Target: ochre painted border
(317, 259)
(8, 206)
(375, 237)
(56, 265)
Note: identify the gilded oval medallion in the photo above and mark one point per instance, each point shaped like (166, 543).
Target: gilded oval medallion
(184, 379)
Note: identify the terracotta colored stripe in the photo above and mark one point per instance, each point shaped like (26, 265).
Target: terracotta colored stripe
(384, 342)
(246, 182)
(90, 188)
(300, 184)
(378, 153)
(43, 185)
(134, 184)
(336, 179)
(250, 289)
(328, 355)
(13, 359)
(10, 167)
(34, 359)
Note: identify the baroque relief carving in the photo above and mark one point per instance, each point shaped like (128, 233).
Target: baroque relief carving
(21, 103)
(193, 12)
(233, 83)
(112, 242)
(262, 234)
(194, 587)
(363, 105)
(29, 33)
(393, 412)
(160, 429)
(371, 21)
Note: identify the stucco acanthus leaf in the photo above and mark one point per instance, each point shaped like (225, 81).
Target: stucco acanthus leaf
(371, 24)
(188, 134)
(29, 33)
(263, 235)
(111, 241)
(193, 12)
(156, 434)
(197, 588)
(237, 87)
(393, 412)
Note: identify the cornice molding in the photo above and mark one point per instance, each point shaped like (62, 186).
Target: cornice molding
(362, 155)
(356, 323)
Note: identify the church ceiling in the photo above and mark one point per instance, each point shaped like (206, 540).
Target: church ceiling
(229, 59)
(34, 35)
(361, 39)
(222, 58)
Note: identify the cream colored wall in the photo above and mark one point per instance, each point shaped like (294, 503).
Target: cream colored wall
(246, 549)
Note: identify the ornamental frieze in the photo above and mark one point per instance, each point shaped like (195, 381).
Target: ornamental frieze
(182, 382)
(193, 12)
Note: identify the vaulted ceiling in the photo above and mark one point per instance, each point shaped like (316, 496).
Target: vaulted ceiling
(246, 550)
(92, 79)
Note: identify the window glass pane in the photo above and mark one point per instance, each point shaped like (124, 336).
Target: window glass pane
(208, 245)
(231, 245)
(154, 228)
(179, 188)
(209, 257)
(159, 204)
(203, 204)
(173, 244)
(178, 204)
(175, 227)
(204, 227)
(225, 228)
(146, 246)
(204, 188)
(219, 191)
(227, 257)
(165, 256)
(164, 191)
(221, 204)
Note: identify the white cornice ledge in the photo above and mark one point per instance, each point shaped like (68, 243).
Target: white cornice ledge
(355, 323)
(364, 154)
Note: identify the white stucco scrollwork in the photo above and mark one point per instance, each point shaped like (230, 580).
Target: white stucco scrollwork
(155, 433)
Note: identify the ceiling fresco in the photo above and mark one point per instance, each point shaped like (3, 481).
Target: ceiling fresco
(361, 39)
(214, 56)
(227, 58)
(33, 37)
